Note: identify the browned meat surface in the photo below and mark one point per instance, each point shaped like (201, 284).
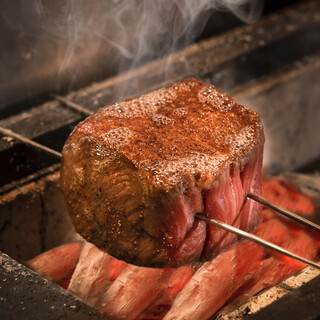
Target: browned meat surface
(135, 174)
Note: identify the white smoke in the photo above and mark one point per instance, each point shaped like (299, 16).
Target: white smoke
(116, 34)
(142, 30)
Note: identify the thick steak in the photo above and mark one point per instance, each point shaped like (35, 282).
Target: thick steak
(135, 173)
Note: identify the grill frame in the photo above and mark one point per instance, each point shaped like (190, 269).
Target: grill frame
(211, 60)
(55, 120)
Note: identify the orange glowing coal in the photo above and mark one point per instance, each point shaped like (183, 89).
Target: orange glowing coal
(236, 274)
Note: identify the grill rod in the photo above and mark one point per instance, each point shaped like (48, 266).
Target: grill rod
(284, 212)
(73, 105)
(7, 132)
(255, 239)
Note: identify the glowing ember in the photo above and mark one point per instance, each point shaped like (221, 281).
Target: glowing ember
(124, 291)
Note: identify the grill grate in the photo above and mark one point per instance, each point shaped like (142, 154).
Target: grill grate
(231, 61)
(274, 63)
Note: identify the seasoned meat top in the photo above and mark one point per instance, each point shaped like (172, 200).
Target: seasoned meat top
(185, 128)
(135, 174)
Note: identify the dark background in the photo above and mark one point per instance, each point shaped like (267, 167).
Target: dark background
(31, 56)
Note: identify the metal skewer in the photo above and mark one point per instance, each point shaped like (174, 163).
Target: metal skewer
(74, 106)
(285, 212)
(17, 136)
(255, 239)
(217, 223)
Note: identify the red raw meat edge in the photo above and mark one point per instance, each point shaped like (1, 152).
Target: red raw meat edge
(225, 201)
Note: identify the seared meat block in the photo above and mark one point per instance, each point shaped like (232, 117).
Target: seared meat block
(135, 174)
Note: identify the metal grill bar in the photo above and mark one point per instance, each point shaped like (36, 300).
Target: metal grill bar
(74, 106)
(255, 239)
(19, 137)
(284, 212)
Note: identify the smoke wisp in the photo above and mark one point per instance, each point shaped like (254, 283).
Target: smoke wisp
(142, 30)
(78, 39)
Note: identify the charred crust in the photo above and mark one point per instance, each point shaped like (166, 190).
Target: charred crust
(121, 164)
